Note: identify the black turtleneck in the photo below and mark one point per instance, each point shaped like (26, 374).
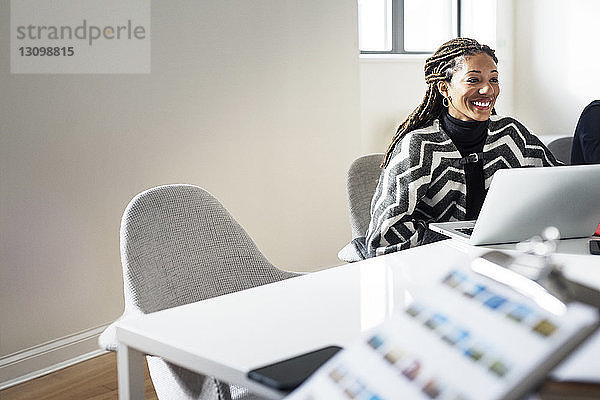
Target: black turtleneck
(469, 137)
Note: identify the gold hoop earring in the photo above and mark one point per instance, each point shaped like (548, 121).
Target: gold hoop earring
(446, 102)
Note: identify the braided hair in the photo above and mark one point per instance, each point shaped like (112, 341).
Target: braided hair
(439, 67)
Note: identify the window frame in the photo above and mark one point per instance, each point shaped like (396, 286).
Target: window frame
(398, 30)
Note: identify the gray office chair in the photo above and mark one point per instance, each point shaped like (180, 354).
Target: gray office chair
(180, 245)
(561, 148)
(361, 181)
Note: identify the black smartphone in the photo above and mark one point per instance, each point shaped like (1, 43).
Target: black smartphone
(288, 374)
(595, 246)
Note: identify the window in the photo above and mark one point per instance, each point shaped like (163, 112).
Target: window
(421, 26)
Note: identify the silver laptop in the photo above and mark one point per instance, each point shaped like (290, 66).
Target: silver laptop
(522, 202)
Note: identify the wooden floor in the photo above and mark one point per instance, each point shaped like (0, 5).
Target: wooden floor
(94, 379)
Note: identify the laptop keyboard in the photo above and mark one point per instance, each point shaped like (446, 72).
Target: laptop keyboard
(466, 231)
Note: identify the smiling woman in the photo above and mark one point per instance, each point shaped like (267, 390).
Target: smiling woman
(472, 91)
(441, 160)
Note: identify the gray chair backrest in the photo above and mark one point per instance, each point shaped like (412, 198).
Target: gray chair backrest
(361, 181)
(180, 245)
(561, 148)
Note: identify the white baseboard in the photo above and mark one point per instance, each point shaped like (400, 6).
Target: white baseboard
(48, 357)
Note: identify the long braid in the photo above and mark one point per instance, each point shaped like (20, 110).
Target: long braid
(439, 67)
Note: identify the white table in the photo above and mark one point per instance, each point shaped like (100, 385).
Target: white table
(229, 335)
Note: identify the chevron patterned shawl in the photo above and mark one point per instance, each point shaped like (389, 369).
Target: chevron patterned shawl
(424, 182)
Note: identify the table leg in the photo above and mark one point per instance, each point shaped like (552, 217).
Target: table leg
(130, 363)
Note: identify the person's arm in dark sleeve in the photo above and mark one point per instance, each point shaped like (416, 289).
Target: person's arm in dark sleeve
(590, 135)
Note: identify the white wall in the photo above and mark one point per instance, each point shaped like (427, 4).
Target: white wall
(258, 102)
(556, 60)
(390, 89)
